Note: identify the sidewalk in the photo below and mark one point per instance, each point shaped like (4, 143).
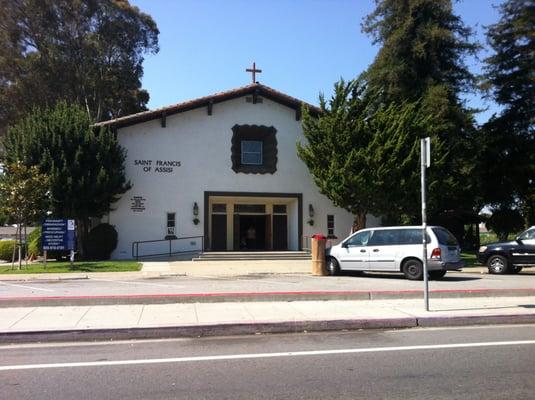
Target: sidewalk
(113, 322)
(152, 269)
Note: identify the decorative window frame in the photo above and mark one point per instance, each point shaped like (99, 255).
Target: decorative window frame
(265, 134)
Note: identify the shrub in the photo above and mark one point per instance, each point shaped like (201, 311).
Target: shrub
(34, 242)
(35, 234)
(101, 241)
(504, 222)
(6, 250)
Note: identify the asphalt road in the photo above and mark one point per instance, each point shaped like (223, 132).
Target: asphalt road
(256, 283)
(493, 362)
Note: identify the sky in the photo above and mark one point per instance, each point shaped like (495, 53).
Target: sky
(302, 46)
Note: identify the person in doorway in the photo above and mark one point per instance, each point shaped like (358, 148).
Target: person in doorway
(251, 237)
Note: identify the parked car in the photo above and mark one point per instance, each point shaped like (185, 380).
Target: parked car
(396, 249)
(509, 257)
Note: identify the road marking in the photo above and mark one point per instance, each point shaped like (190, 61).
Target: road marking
(263, 355)
(26, 287)
(139, 283)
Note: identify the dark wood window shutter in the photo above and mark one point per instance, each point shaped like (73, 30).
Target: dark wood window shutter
(266, 134)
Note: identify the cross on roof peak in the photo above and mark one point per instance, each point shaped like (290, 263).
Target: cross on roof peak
(253, 71)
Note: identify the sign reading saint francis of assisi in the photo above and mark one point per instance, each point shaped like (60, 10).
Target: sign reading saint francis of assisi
(158, 166)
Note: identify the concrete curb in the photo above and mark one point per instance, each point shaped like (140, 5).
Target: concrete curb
(51, 301)
(250, 328)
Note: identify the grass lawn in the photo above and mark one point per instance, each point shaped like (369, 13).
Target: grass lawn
(470, 258)
(490, 237)
(79, 266)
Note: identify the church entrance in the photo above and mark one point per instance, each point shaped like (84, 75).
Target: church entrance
(253, 232)
(253, 221)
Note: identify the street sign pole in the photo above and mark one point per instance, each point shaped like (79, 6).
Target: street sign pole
(425, 148)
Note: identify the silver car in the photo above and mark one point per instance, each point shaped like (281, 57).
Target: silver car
(397, 249)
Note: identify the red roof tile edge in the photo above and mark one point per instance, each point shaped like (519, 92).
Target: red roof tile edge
(219, 97)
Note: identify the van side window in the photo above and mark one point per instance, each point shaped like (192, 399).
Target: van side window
(386, 237)
(360, 239)
(410, 236)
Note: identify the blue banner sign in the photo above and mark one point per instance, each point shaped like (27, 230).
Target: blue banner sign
(58, 234)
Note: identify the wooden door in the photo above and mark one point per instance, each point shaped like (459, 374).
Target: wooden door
(280, 232)
(219, 232)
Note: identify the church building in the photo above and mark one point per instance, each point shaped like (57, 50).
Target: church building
(220, 173)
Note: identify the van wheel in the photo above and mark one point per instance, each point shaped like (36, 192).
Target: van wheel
(497, 264)
(437, 274)
(333, 268)
(413, 270)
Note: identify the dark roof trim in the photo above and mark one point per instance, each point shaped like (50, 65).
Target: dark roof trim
(254, 89)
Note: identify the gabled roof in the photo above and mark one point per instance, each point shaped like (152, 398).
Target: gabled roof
(207, 101)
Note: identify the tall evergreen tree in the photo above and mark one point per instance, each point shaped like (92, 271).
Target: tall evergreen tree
(423, 47)
(85, 164)
(508, 144)
(363, 158)
(85, 51)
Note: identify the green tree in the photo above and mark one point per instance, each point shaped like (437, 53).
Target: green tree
(86, 51)
(423, 47)
(505, 221)
(85, 164)
(508, 144)
(363, 158)
(23, 196)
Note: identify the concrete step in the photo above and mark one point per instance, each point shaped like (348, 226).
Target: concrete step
(252, 255)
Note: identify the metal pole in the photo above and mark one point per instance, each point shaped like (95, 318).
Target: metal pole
(423, 149)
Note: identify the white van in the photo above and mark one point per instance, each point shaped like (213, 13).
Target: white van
(396, 249)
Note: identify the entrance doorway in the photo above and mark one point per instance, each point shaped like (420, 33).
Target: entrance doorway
(251, 231)
(240, 221)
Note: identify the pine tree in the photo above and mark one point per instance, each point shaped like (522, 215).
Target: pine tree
(421, 59)
(508, 144)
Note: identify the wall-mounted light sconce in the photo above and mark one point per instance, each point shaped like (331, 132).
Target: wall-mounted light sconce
(195, 213)
(310, 215)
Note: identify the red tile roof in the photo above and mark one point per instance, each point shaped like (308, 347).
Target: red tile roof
(259, 89)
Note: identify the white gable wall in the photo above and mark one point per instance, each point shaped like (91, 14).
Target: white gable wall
(202, 144)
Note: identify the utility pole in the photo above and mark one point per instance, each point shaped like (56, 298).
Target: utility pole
(425, 149)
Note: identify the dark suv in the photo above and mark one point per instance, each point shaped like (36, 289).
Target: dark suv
(510, 257)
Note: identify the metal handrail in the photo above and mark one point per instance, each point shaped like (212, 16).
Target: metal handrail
(306, 244)
(135, 247)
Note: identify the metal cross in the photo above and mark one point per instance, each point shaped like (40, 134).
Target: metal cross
(254, 71)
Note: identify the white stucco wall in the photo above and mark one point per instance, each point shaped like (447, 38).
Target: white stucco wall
(202, 144)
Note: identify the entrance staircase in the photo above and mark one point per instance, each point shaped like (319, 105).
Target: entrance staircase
(252, 255)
